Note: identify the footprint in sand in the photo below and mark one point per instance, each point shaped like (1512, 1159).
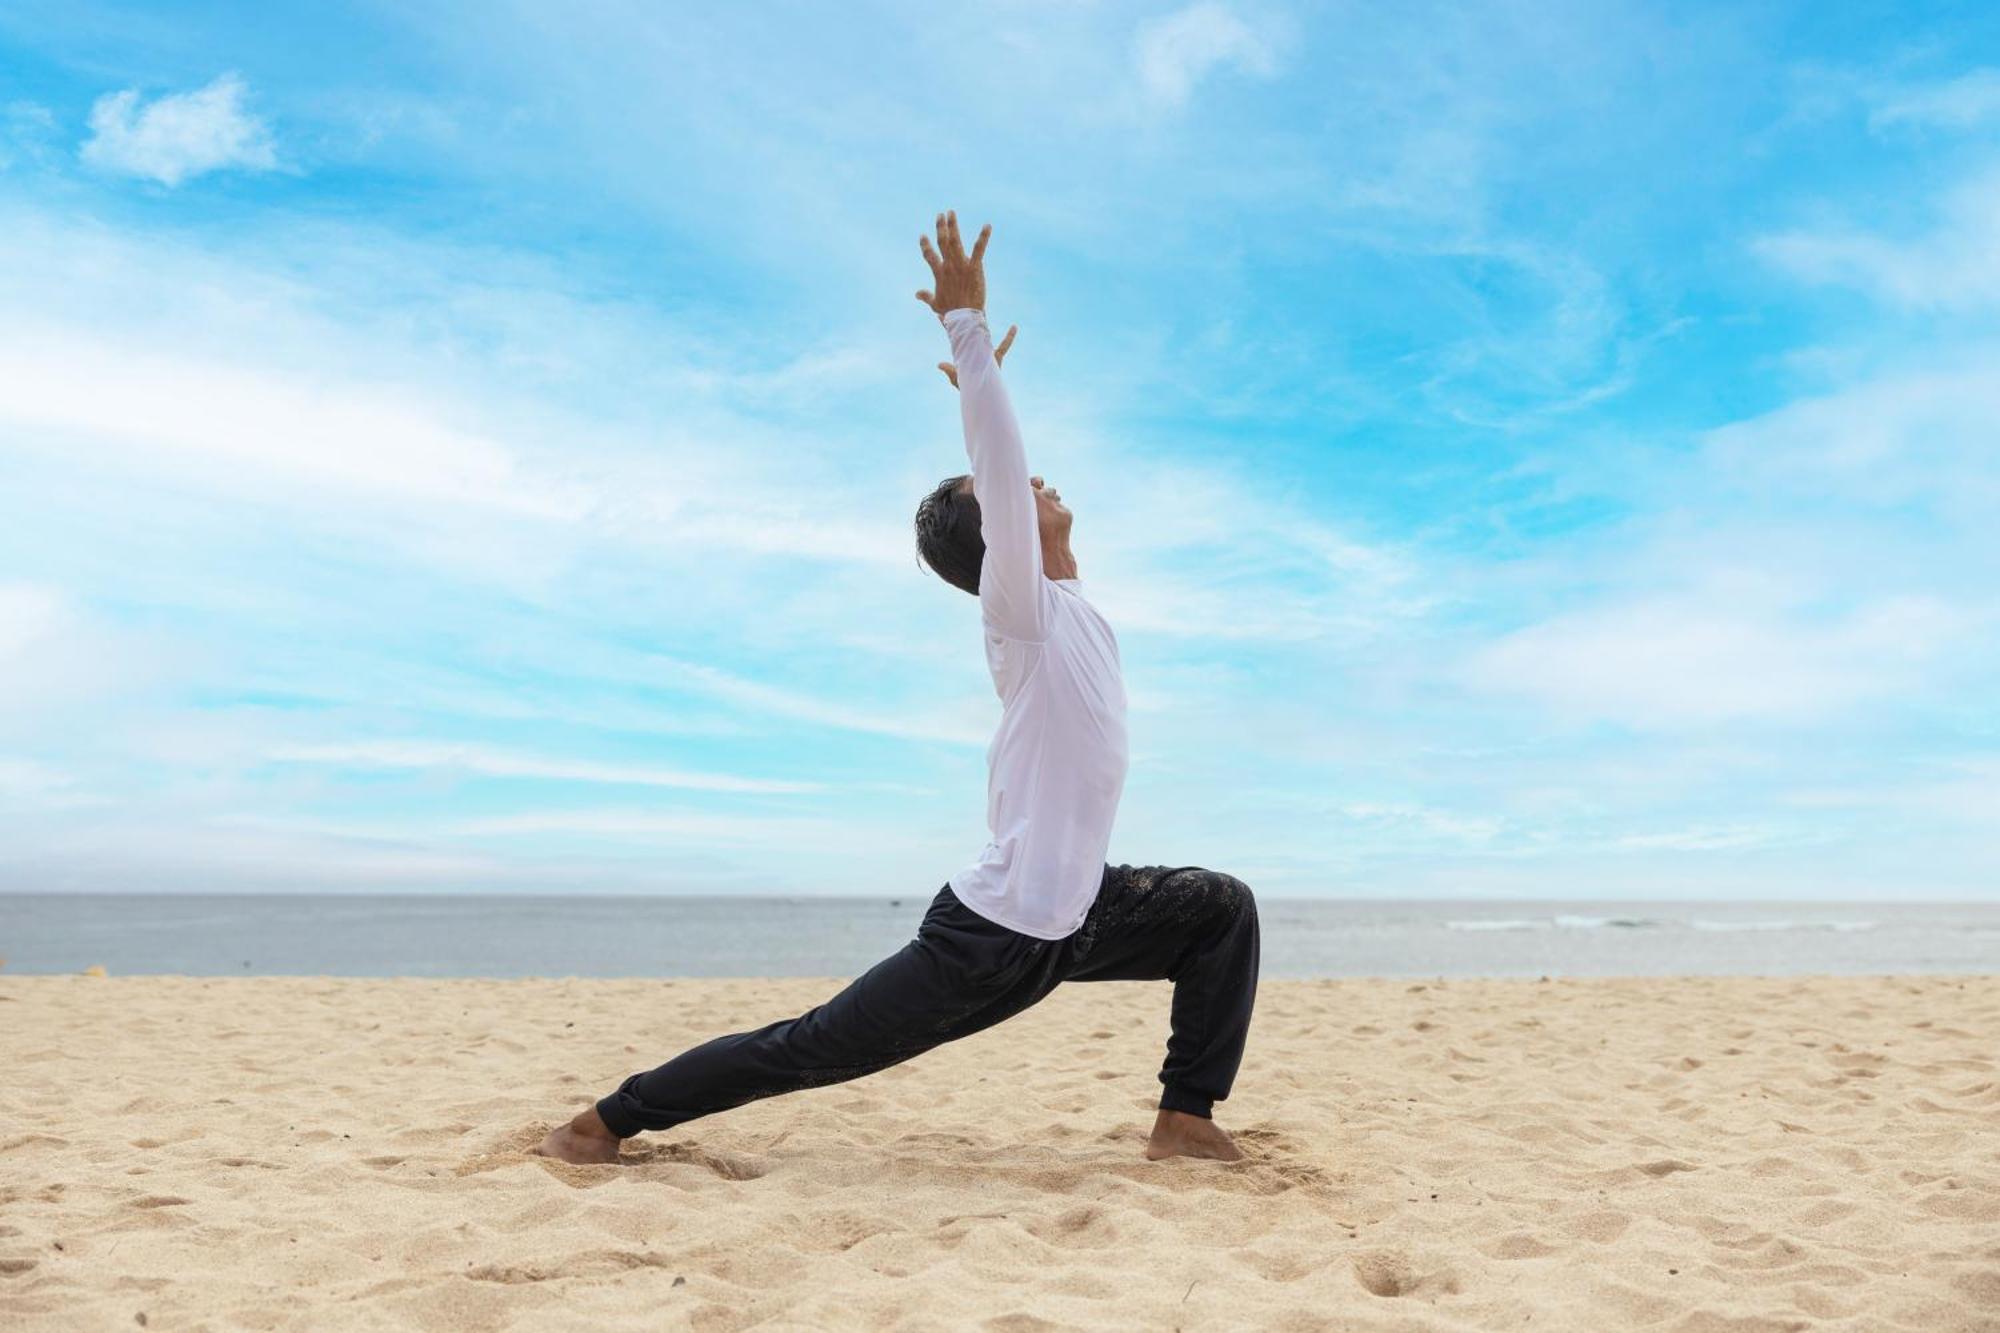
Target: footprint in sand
(591, 1263)
(1085, 1226)
(1521, 1245)
(1018, 1321)
(1600, 1227)
(729, 1166)
(1666, 1166)
(1393, 1273)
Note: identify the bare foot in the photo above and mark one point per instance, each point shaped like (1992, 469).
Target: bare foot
(584, 1141)
(1178, 1134)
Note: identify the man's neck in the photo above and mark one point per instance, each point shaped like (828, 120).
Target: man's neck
(1058, 563)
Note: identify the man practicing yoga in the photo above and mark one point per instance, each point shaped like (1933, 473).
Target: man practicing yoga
(1040, 906)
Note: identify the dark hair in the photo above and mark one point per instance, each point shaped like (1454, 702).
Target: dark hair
(948, 536)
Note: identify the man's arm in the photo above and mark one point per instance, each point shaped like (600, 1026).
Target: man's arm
(999, 355)
(1010, 580)
(1012, 590)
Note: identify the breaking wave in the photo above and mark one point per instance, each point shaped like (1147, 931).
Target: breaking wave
(1566, 922)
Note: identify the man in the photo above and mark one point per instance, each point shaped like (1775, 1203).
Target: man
(1040, 906)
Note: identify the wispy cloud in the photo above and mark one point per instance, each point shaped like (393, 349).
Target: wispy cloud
(33, 784)
(1696, 661)
(1955, 265)
(1175, 53)
(27, 133)
(245, 425)
(697, 828)
(1966, 790)
(1922, 435)
(1725, 838)
(818, 709)
(178, 136)
(1426, 823)
(28, 613)
(487, 761)
(53, 654)
(1966, 102)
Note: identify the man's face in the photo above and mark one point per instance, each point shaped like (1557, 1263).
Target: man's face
(1052, 516)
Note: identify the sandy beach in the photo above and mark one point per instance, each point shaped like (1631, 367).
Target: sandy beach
(1695, 1155)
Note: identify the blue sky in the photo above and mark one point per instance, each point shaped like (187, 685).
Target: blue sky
(1525, 450)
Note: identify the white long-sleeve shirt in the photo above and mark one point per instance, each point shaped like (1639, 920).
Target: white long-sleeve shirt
(1056, 767)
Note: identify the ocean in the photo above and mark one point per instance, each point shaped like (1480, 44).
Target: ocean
(519, 936)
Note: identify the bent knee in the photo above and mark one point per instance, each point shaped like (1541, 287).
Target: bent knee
(1237, 899)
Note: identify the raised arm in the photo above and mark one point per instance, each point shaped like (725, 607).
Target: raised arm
(1013, 594)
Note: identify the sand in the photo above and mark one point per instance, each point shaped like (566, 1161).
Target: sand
(1692, 1155)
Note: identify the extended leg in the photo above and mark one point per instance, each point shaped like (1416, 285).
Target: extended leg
(948, 982)
(1197, 928)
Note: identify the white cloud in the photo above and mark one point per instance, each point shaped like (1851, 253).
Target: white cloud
(1930, 436)
(1826, 556)
(1667, 662)
(486, 761)
(790, 853)
(247, 423)
(811, 708)
(26, 129)
(151, 854)
(1965, 789)
(1175, 53)
(701, 828)
(1954, 266)
(235, 376)
(1720, 838)
(28, 780)
(28, 613)
(53, 655)
(178, 136)
(1424, 821)
(1962, 103)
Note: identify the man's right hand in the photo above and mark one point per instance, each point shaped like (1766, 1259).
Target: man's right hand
(959, 279)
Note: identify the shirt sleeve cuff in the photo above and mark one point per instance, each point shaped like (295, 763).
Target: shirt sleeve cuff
(971, 341)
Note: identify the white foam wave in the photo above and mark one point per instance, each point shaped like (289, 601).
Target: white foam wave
(1562, 922)
(1700, 924)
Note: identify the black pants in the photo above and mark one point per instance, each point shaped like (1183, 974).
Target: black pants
(963, 973)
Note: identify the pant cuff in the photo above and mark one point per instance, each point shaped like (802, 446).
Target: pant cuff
(616, 1118)
(1187, 1101)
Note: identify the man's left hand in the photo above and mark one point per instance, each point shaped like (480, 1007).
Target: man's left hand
(999, 355)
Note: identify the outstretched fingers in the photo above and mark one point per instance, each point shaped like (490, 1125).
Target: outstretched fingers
(1000, 352)
(956, 277)
(951, 243)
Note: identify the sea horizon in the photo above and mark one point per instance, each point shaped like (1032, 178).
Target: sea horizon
(456, 934)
